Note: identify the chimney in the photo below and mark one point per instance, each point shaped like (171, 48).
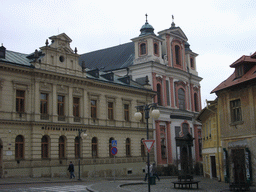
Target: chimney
(2, 51)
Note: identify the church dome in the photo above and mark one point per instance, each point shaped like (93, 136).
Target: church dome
(146, 29)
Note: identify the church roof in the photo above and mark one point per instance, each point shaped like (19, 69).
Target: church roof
(117, 57)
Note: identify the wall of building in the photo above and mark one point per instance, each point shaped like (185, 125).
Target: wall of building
(239, 135)
(44, 76)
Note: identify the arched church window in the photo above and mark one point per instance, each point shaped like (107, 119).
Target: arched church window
(177, 54)
(143, 49)
(196, 102)
(159, 101)
(156, 49)
(181, 98)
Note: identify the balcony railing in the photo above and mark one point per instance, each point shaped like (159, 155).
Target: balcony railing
(77, 119)
(61, 118)
(44, 117)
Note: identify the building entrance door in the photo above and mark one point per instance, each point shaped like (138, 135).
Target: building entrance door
(213, 167)
(239, 165)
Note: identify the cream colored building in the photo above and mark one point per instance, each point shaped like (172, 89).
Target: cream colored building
(47, 101)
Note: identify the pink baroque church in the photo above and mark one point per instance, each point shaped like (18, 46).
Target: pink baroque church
(166, 63)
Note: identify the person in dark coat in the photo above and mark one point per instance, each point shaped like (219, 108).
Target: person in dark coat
(71, 169)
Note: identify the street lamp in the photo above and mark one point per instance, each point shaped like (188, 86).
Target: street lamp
(155, 114)
(81, 135)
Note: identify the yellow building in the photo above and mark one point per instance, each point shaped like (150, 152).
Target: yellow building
(211, 143)
(53, 111)
(237, 120)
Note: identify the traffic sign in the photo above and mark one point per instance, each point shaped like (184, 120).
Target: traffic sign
(148, 144)
(114, 143)
(114, 150)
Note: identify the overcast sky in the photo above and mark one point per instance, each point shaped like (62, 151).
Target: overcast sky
(220, 31)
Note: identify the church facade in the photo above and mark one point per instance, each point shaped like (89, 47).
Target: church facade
(53, 111)
(165, 62)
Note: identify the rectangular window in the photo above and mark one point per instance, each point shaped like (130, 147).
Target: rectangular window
(110, 110)
(94, 109)
(61, 147)
(128, 147)
(20, 101)
(76, 107)
(44, 103)
(236, 112)
(126, 112)
(61, 105)
(77, 147)
(44, 106)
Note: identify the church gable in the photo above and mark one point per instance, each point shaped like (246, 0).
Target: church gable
(178, 33)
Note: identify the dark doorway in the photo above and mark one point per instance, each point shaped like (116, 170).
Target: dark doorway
(213, 167)
(239, 165)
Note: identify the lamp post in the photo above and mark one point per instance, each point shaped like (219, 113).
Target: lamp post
(155, 114)
(80, 136)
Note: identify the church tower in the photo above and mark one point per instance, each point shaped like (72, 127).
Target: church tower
(147, 45)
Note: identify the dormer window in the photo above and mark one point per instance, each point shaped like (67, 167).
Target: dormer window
(239, 71)
(143, 50)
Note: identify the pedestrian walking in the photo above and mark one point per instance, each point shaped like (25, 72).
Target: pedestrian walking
(71, 169)
(146, 171)
(154, 171)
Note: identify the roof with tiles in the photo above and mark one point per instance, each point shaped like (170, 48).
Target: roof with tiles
(249, 68)
(117, 57)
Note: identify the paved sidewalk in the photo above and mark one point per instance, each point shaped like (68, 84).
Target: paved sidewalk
(124, 184)
(29, 180)
(164, 185)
